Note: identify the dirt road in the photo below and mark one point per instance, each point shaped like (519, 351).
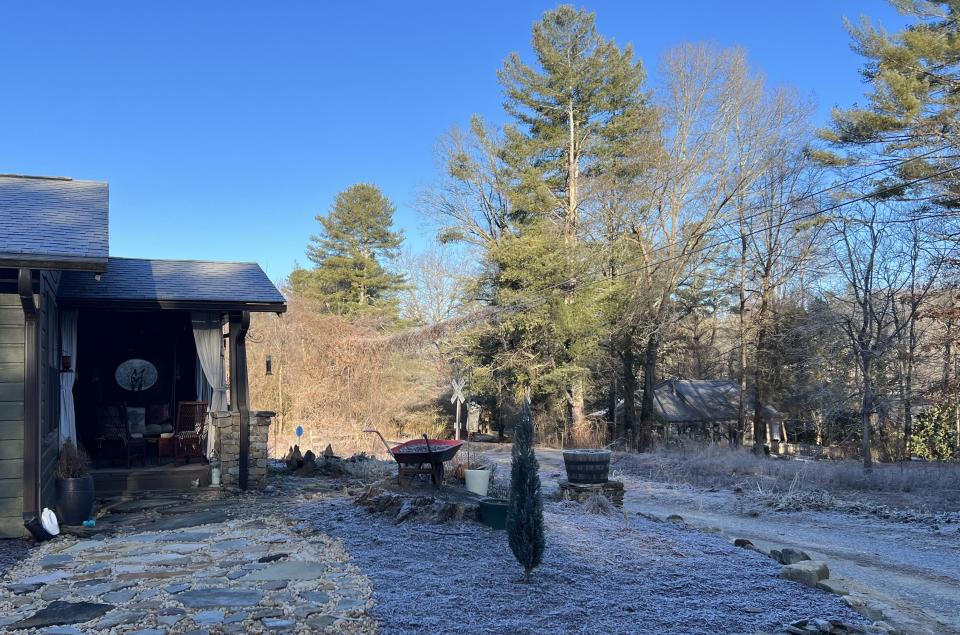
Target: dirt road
(911, 572)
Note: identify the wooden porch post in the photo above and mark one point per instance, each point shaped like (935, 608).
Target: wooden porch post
(239, 388)
(31, 399)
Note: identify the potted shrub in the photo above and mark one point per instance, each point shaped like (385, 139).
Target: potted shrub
(75, 495)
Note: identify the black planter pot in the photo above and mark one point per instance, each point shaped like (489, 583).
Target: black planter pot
(75, 498)
(493, 512)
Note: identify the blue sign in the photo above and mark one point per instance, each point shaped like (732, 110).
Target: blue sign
(299, 431)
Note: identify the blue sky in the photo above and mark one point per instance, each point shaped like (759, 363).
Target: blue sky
(225, 127)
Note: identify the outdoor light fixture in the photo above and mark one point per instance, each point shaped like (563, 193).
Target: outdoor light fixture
(66, 364)
(269, 364)
(96, 277)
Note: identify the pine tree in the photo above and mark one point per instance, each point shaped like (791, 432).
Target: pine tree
(581, 114)
(584, 107)
(525, 513)
(544, 345)
(355, 238)
(913, 106)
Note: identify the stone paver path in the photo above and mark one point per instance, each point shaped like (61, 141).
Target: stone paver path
(252, 572)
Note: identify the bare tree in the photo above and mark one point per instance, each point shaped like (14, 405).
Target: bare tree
(780, 241)
(471, 202)
(689, 189)
(438, 280)
(880, 270)
(721, 131)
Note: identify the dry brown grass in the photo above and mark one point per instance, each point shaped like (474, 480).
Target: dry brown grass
(549, 431)
(335, 378)
(592, 433)
(712, 466)
(599, 505)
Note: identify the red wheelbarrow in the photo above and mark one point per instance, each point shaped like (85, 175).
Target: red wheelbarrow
(412, 456)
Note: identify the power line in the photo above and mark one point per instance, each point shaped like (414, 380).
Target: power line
(861, 177)
(764, 209)
(727, 241)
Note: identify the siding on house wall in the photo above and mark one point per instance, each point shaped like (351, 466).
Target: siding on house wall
(11, 415)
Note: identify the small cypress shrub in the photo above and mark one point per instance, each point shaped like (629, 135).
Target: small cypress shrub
(525, 512)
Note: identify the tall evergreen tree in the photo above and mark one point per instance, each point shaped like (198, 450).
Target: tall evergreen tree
(525, 512)
(584, 106)
(582, 113)
(355, 239)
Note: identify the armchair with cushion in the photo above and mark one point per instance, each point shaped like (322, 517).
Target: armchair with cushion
(158, 420)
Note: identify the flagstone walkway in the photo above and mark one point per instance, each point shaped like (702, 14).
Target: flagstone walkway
(179, 566)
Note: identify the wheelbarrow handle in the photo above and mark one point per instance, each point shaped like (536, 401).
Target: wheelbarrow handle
(377, 432)
(429, 451)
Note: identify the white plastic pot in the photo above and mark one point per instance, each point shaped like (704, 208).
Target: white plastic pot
(478, 481)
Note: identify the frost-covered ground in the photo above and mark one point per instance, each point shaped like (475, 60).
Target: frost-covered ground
(600, 575)
(912, 568)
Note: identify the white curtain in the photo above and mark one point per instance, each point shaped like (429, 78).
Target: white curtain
(203, 386)
(208, 336)
(68, 346)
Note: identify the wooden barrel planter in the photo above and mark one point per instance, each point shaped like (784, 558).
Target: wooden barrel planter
(587, 466)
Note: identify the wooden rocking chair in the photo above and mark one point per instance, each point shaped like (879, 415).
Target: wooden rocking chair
(190, 430)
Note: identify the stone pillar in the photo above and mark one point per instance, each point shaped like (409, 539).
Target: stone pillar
(259, 447)
(227, 448)
(227, 426)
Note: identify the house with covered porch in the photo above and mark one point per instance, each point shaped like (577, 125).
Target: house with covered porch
(141, 362)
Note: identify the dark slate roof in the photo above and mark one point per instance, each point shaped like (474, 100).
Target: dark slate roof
(702, 400)
(53, 223)
(173, 284)
(698, 401)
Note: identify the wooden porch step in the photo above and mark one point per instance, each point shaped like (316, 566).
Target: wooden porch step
(123, 481)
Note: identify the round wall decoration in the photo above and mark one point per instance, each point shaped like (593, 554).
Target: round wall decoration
(136, 374)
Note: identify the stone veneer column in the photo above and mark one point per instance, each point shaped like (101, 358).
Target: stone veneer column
(227, 426)
(259, 447)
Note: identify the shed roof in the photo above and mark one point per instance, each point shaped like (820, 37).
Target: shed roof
(702, 400)
(698, 401)
(173, 284)
(53, 222)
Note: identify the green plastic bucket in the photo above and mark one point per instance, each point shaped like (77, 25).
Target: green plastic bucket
(493, 512)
